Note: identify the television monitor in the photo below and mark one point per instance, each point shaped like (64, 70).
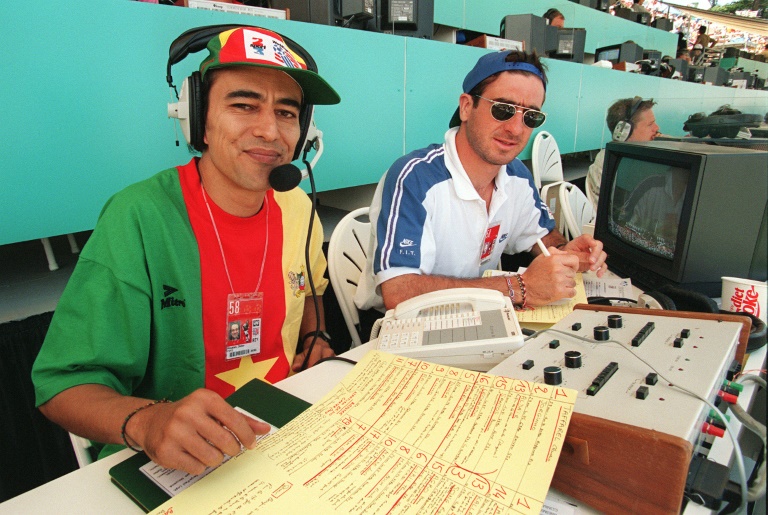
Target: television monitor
(413, 18)
(652, 54)
(552, 40)
(696, 73)
(570, 45)
(323, 12)
(643, 18)
(624, 12)
(684, 214)
(359, 14)
(664, 24)
(716, 75)
(623, 52)
(530, 29)
(680, 66)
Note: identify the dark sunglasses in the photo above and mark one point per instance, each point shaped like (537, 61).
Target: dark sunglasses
(502, 111)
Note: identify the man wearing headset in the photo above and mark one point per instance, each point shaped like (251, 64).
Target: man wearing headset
(443, 215)
(554, 18)
(176, 259)
(628, 119)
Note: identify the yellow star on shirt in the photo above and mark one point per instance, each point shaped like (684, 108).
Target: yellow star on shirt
(246, 371)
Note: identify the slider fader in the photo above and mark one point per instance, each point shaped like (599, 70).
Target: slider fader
(629, 382)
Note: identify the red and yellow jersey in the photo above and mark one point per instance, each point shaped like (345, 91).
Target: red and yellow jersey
(275, 236)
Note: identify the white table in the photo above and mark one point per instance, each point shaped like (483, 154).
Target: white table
(90, 491)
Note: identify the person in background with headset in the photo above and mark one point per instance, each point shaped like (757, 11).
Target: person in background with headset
(176, 259)
(441, 216)
(628, 119)
(554, 18)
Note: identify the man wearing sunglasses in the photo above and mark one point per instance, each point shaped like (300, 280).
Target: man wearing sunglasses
(443, 215)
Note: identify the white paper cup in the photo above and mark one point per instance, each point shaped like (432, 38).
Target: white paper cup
(745, 296)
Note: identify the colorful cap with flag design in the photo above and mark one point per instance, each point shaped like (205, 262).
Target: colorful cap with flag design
(251, 46)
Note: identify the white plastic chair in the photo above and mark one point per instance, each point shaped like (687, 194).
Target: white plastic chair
(50, 256)
(550, 194)
(545, 160)
(592, 199)
(576, 208)
(569, 206)
(346, 260)
(82, 447)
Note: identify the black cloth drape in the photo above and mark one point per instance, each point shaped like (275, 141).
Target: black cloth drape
(34, 450)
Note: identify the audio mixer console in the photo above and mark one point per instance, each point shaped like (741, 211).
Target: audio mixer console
(631, 430)
(629, 382)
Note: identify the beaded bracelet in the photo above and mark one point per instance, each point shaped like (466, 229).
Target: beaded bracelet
(510, 288)
(131, 414)
(522, 290)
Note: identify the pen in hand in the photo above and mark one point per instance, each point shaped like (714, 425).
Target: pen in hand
(543, 248)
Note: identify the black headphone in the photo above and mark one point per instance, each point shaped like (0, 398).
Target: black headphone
(191, 109)
(550, 15)
(623, 129)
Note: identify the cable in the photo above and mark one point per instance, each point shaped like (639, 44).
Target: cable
(312, 213)
(336, 358)
(376, 328)
(738, 457)
(601, 300)
(757, 490)
(750, 377)
(175, 125)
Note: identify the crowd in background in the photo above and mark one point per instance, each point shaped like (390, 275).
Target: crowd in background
(688, 26)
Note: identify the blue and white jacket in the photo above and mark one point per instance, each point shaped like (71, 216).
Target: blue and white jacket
(427, 218)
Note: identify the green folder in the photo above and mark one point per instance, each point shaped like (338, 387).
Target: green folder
(256, 397)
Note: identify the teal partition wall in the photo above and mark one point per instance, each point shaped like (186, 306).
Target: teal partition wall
(434, 73)
(84, 102)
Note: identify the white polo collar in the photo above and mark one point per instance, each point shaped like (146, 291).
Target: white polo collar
(465, 190)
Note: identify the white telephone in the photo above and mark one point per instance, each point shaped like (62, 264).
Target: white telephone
(471, 328)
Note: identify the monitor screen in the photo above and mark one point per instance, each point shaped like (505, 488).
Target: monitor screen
(623, 52)
(684, 213)
(647, 204)
(610, 54)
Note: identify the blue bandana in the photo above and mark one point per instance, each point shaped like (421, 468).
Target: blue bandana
(491, 64)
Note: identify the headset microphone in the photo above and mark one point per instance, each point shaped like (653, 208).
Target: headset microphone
(288, 176)
(284, 177)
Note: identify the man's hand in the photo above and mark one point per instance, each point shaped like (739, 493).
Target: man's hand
(194, 432)
(548, 279)
(320, 350)
(590, 254)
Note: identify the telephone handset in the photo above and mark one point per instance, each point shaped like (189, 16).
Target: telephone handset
(472, 328)
(460, 299)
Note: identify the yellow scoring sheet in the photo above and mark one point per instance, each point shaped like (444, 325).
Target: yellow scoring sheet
(542, 317)
(399, 436)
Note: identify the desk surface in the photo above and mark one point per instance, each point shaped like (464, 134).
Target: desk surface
(90, 491)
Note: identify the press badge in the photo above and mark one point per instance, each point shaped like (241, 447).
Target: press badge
(489, 242)
(244, 312)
